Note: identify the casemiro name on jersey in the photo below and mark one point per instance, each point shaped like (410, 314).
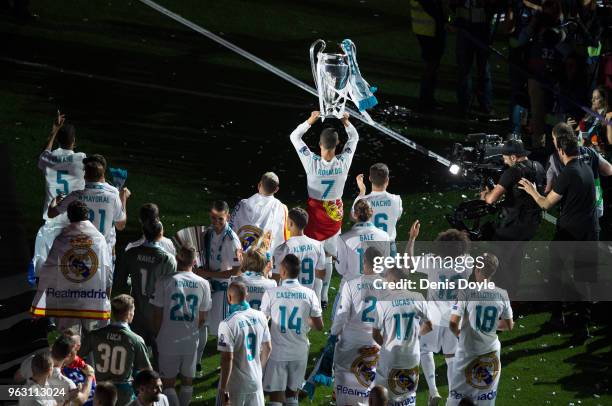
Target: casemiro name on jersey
(381, 284)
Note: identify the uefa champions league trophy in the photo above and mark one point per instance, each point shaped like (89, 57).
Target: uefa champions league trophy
(194, 236)
(337, 78)
(331, 74)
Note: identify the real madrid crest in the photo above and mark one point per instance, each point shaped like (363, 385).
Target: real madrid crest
(403, 381)
(364, 366)
(482, 372)
(248, 235)
(79, 263)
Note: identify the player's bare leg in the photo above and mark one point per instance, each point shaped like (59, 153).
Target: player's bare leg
(170, 391)
(276, 398)
(186, 391)
(291, 398)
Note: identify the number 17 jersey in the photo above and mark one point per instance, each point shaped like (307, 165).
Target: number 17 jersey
(182, 296)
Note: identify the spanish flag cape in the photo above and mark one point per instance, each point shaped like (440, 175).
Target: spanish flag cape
(324, 218)
(75, 278)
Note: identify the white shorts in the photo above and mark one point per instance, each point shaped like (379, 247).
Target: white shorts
(354, 373)
(245, 399)
(439, 339)
(331, 245)
(281, 375)
(401, 385)
(172, 365)
(475, 377)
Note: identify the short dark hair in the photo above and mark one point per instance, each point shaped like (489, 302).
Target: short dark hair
(563, 130)
(363, 210)
(105, 394)
(299, 216)
(379, 174)
(148, 212)
(144, 377)
(185, 256)
(292, 265)
(62, 347)
(328, 138)
(41, 363)
(568, 144)
(269, 182)
(77, 211)
(66, 136)
(220, 205)
(95, 158)
(466, 402)
(239, 288)
(452, 242)
(152, 229)
(94, 171)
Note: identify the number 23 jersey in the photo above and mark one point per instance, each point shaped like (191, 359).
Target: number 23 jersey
(182, 296)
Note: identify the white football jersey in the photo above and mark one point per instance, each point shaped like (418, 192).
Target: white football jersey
(325, 179)
(387, 210)
(165, 243)
(223, 250)
(355, 311)
(397, 317)
(444, 298)
(64, 173)
(289, 307)
(182, 296)
(256, 285)
(254, 216)
(309, 251)
(243, 333)
(353, 244)
(104, 204)
(480, 312)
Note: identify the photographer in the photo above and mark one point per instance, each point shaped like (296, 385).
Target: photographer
(520, 217)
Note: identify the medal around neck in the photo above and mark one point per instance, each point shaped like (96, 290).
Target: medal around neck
(337, 78)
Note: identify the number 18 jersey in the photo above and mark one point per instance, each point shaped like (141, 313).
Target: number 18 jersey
(117, 351)
(182, 296)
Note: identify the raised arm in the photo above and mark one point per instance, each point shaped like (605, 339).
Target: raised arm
(544, 202)
(297, 134)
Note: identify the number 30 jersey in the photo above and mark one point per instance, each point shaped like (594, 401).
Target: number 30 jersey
(181, 296)
(480, 312)
(325, 179)
(117, 351)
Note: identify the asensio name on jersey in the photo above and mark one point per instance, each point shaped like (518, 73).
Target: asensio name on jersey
(325, 182)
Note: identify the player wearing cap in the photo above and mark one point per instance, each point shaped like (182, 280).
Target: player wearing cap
(292, 309)
(386, 207)
(181, 302)
(326, 175)
(309, 251)
(116, 350)
(397, 331)
(107, 205)
(477, 368)
(63, 168)
(253, 273)
(356, 352)
(261, 213)
(244, 342)
(451, 243)
(222, 256)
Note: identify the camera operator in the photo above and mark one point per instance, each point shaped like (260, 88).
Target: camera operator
(520, 217)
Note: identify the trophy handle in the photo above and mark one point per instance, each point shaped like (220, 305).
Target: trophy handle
(313, 60)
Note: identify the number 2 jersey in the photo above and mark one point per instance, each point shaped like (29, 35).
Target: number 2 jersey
(325, 179)
(64, 173)
(309, 251)
(480, 312)
(117, 351)
(289, 307)
(242, 334)
(182, 296)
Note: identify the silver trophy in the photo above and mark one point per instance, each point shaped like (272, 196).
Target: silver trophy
(193, 236)
(331, 75)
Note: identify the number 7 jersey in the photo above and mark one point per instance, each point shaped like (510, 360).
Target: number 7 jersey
(182, 296)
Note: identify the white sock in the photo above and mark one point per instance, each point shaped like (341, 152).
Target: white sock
(173, 399)
(429, 370)
(202, 343)
(318, 285)
(185, 394)
(328, 274)
(291, 401)
(450, 363)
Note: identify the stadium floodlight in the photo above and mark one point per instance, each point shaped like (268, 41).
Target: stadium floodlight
(454, 169)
